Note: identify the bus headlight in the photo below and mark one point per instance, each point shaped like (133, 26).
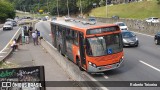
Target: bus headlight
(89, 63)
(94, 65)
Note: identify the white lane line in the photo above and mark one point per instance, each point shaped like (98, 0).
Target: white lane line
(101, 86)
(1, 56)
(9, 41)
(106, 77)
(3, 52)
(150, 66)
(143, 34)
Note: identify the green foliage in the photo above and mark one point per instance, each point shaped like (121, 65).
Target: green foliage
(158, 2)
(51, 5)
(6, 11)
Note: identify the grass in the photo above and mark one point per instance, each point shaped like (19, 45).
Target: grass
(137, 10)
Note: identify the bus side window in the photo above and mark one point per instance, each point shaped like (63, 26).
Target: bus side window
(67, 34)
(71, 36)
(75, 38)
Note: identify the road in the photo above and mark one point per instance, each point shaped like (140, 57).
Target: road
(141, 63)
(6, 36)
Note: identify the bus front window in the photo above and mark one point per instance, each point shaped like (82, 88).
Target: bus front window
(103, 45)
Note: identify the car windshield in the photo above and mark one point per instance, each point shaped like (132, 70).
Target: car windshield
(121, 24)
(8, 23)
(127, 34)
(155, 18)
(92, 19)
(104, 45)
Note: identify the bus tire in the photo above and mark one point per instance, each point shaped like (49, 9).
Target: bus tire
(79, 64)
(59, 49)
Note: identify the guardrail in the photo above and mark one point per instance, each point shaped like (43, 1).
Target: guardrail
(69, 66)
(7, 49)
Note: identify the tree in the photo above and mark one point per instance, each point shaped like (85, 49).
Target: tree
(158, 1)
(6, 10)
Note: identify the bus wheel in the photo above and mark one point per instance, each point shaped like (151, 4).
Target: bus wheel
(60, 51)
(79, 64)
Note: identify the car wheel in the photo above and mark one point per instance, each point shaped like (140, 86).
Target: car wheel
(156, 42)
(136, 45)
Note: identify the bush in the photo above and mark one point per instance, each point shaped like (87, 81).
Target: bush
(6, 11)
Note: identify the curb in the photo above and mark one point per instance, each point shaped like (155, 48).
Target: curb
(68, 66)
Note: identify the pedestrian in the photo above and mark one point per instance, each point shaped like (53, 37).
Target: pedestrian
(14, 45)
(26, 35)
(38, 35)
(34, 36)
(30, 31)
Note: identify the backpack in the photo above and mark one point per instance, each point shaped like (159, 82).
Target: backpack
(38, 33)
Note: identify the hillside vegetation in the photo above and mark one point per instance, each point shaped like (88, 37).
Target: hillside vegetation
(138, 10)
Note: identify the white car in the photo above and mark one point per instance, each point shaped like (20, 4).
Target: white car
(122, 25)
(8, 26)
(152, 20)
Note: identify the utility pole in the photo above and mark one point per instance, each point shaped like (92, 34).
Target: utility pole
(47, 5)
(38, 5)
(81, 6)
(57, 9)
(68, 9)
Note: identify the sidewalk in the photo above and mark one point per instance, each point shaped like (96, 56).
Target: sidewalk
(29, 55)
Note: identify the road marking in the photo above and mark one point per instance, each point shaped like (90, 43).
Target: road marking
(1, 56)
(3, 52)
(106, 77)
(144, 34)
(150, 66)
(9, 41)
(92, 79)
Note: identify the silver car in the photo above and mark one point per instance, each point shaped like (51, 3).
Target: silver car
(129, 38)
(8, 26)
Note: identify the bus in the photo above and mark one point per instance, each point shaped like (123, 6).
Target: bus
(94, 48)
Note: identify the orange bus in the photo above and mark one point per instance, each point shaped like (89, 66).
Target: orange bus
(94, 48)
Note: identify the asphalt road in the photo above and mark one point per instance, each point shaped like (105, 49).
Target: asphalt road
(141, 63)
(6, 36)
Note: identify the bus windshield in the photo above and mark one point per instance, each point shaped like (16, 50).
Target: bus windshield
(104, 45)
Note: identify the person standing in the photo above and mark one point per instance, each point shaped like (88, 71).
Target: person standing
(38, 35)
(34, 36)
(26, 35)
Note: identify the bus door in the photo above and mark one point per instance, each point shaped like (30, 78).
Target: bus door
(54, 33)
(63, 41)
(69, 42)
(82, 49)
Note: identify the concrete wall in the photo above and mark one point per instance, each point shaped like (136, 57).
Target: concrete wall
(135, 25)
(1, 25)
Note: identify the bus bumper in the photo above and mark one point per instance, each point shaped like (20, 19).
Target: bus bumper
(104, 68)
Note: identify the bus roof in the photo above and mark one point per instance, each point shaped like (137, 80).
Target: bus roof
(78, 24)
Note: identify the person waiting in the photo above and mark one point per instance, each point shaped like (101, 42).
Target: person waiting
(14, 45)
